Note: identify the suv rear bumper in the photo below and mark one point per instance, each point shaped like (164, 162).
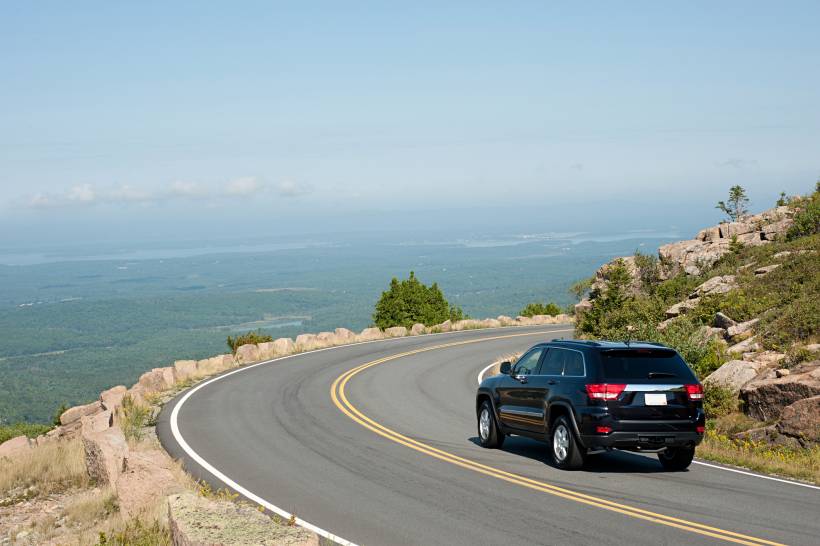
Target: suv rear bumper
(641, 440)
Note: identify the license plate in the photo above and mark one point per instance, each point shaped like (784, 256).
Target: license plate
(652, 399)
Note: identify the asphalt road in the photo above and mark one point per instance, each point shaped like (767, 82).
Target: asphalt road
(386, 454)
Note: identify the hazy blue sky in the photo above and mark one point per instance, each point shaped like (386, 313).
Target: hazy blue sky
(171, 119)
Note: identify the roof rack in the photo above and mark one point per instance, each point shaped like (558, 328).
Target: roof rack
(587, 342)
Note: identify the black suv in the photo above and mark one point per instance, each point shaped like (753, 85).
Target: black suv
(585, 397)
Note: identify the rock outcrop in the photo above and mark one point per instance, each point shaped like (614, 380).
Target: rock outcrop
(710, 244)
(105, 454)
(602, 275)
(733, 375)
(76, 413)
(112, 398)
(14, 447)
(801, 420)
(766, 398)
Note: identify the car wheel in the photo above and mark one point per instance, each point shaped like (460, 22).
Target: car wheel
(566, 452)
(488, 433)
(676, 458)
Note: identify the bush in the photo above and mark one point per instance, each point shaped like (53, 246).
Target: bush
(410, 302)
(648, 270)
(253, 338)
(133, 418)
(31, 430)
(719, 401)
(537, 308)
(807, 215)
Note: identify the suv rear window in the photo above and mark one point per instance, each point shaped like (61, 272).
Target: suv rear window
(644, 364)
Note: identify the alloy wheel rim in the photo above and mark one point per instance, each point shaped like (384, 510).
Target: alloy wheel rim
(560, 442)
(484, 424)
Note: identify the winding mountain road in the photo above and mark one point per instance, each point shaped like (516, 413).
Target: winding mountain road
(376, 443)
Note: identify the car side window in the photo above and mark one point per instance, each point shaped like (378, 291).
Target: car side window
(573, 364)
(528, 363)
(554, 362)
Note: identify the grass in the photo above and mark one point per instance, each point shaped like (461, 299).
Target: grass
(50, 468)
(136, 533)
(801, 464)
(8, 432)
(91, 507)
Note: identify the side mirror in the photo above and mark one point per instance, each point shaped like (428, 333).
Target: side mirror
(505, 368)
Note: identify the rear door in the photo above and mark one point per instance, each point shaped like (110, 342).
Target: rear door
(655, 385)
(516, 394)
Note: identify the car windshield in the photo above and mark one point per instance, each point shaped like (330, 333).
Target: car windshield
(649, 364)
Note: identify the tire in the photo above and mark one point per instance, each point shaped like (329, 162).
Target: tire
(489, 434)
(566, 452)
(676, 459)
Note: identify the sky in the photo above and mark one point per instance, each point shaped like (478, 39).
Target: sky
(158, 120)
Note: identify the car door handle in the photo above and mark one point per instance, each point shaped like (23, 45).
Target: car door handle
(551, 382)
(521, 378)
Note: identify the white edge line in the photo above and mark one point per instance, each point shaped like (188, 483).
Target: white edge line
(245, 492)
(727, 469)
(745, 473)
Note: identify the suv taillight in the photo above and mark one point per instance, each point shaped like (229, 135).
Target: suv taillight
(605, 391)
(694, 392)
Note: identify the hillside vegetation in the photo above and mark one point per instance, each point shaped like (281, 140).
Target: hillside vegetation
(741, 303)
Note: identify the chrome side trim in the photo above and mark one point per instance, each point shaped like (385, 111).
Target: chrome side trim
(528, 413)
(648, 387)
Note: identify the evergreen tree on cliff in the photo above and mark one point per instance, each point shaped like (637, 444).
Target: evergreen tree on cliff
(737, 205)
(410, 301)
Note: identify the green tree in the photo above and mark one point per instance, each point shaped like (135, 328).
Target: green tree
(737, 205)
(409, 301)
(782, 200)
(537, 308)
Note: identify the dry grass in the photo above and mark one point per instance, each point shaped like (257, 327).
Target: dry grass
(91, 507)
(49, 468)
(790, 462)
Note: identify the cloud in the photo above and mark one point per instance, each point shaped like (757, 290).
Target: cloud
(82, 194)
(86, 195)
(289, 188)
(577, 166)
(240, 187)
(180, 188)
(738, 163)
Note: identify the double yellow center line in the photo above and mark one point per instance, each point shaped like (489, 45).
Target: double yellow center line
(337, 393)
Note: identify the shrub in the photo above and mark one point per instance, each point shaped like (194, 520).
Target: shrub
(22, 429)
(410, 301)
(133, 418)
(648, 270)
(807, 215)
(537, 308)
(61, 410)
(719, 401)
(250, 338)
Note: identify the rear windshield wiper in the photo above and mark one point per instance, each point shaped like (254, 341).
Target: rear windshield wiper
(654, 375)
